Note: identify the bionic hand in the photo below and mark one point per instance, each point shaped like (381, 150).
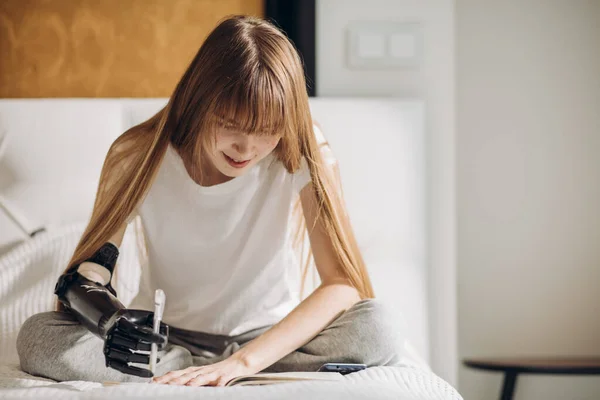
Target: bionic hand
(96, 306)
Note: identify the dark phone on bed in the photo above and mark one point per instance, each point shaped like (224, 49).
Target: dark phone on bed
(342, 368)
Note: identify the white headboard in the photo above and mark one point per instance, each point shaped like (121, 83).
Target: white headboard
(54, 149)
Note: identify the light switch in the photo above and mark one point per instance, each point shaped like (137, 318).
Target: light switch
(371, 45)
(383, 44)
(402, 45)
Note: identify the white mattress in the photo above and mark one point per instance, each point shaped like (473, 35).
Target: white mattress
(398, 383)
(27, 277)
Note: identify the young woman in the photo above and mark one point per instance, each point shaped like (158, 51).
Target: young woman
(214, 176)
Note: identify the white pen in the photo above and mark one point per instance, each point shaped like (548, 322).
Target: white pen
(159, 307)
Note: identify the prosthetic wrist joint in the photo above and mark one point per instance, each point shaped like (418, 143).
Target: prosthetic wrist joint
(94, 304)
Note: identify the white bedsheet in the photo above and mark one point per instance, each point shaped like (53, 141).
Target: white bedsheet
(27, 276)
(398, 383)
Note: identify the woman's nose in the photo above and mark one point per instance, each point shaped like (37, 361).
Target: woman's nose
(243, 145)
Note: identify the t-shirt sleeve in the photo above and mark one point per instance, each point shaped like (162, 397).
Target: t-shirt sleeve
(134, 214)
(301, 177)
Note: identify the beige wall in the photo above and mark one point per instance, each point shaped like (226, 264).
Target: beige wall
(433, 317)
(104, 48)
(528, 189)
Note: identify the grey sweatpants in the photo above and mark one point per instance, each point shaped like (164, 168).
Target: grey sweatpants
(56, 346)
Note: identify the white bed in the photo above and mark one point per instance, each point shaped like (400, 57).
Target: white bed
(373, 383)
(51, 152)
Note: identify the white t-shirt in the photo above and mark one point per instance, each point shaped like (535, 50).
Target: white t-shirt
(221, 254)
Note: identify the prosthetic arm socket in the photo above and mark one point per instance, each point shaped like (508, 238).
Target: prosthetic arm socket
(94, 305)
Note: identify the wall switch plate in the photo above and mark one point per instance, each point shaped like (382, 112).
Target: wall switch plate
(383, 45)
(370, 45)
(402, 46)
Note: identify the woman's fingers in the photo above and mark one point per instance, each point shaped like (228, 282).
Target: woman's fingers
(222, 381)
(203, 379)
(193, 376)
(185, 378)
(172, 375)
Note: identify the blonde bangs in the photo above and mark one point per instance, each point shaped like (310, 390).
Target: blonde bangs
(254, 105)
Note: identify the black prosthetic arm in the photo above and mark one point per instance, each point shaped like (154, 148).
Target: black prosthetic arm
(98, 309)
(93, 304)
(107, 257)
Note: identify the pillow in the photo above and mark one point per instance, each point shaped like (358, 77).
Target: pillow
(28, 274)
(15, 226)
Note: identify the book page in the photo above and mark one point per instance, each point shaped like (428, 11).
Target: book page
(265, 378)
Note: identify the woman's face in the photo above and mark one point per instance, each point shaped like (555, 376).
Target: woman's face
(236, 152)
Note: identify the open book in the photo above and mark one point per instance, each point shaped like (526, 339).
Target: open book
(269, 378)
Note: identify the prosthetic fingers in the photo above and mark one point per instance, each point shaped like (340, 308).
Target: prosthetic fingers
(126, 333)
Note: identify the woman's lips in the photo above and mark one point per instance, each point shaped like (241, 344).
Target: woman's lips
(234, 163)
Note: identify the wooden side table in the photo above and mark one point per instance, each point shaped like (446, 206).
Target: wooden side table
(512, 367)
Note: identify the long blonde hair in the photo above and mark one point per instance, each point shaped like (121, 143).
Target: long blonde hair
(246, 70)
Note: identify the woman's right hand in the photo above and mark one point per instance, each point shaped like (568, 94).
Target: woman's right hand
(132, 330)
